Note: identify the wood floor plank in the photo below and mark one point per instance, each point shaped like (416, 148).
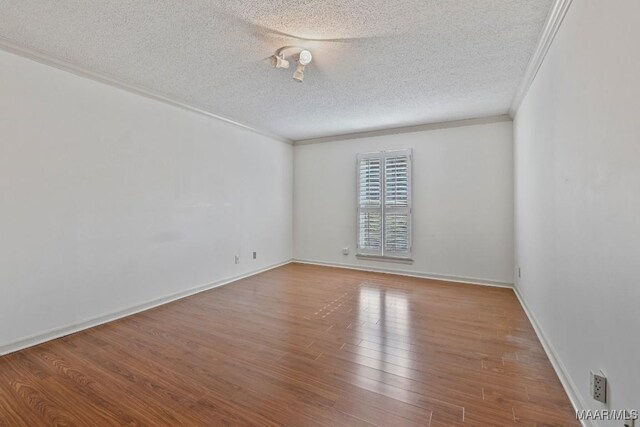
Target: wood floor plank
(299, 345)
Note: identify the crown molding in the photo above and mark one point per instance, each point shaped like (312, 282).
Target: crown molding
(554, 20)
(43, 58)
(407, 129)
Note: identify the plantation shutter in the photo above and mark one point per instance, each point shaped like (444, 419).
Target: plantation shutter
(370, 205)
(397, 209)
(384, 204)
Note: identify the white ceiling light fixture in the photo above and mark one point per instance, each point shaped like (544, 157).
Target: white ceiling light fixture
(303, 57)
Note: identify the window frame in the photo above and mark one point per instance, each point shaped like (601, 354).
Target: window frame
(383, 254)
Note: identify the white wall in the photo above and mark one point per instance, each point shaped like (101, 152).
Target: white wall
(109, 200)
(462, 201)
(577, 158)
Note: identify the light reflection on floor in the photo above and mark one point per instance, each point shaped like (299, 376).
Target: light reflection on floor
(384, 313)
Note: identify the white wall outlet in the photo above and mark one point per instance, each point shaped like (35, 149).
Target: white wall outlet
(599, 387)
(237, 259)
(345, 251)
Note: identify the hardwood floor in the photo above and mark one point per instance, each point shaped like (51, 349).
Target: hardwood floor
(298, 345)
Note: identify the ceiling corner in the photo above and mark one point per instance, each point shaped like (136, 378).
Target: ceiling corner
(551, 27)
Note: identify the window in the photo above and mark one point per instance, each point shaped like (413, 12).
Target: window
(384, 204)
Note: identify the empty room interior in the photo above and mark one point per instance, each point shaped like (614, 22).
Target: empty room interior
(320, 213)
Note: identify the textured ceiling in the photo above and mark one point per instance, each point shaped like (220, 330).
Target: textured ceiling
(401, 62)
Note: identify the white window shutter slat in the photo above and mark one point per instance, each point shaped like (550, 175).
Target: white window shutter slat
(396, 233)
(370, 231)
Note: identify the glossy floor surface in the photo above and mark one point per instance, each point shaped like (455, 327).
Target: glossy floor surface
(301, 346)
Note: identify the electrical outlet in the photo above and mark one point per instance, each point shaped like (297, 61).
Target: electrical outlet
(599, 387)
(255, 255)
(345, 251)
(237, 259)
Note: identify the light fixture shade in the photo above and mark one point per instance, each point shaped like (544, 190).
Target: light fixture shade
(298, 75)
(305, 57)
(280, 62)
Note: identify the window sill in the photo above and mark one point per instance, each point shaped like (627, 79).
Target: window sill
(385, 259)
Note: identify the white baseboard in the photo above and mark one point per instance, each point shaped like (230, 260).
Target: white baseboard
(568, 384)
(99, 320)
(456, 279)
